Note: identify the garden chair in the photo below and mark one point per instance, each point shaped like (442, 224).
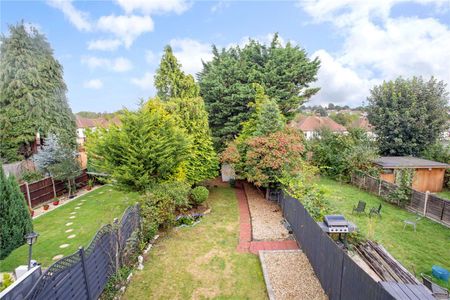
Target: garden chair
(412, 223)
(437, 291)
(360, 208)
(375, 211)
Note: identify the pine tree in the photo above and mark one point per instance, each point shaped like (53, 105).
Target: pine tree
(192, 116)
(170, 80)
(15, 218)
(32, 93)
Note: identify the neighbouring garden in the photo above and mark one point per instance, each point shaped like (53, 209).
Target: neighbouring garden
(417, 251)
(57, 228)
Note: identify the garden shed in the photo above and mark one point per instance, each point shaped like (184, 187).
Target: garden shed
(428, 174)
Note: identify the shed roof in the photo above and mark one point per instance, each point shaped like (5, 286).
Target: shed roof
(396, 162)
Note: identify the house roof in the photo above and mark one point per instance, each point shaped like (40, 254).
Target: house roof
(396, 162)
(363, 123)
(315, 123)
(98, 122)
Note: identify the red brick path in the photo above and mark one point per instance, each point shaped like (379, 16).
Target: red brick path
(246, 245)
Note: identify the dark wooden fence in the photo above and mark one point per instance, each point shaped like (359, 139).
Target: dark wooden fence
(84, 274)
(429, 205)
(44, 190)
(339, 275)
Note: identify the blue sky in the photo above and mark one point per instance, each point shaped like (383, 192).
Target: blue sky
(111, 49)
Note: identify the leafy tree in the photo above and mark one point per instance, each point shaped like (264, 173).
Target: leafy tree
(170, 80)
(191, 115)
(226, 83)
(338, 155)
(270, 157)
(15, 218)
(345, 119)
(32, 93)
(148, 147)
(408, 114)
(59, 161)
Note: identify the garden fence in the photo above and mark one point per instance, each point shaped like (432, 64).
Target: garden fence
(84, 274)
(339, 275)
(46, 189)
(429, 205)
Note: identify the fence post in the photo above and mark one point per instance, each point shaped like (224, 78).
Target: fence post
(426, 203)
(379, 187)
(54, 189)
(83, 264)
(118, 237)
(28, 194)
(364, 181)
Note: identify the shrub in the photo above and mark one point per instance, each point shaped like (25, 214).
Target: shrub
(7, 281)
(199, 195)
(15, 218)
(31, 176)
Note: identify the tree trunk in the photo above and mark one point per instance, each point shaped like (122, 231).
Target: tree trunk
(70, 187)
(267, 193)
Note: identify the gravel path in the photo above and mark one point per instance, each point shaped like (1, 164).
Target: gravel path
(266, 217)
(289, 275)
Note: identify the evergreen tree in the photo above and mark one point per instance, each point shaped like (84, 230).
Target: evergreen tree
(170, 80)
(15, 218)
(226, 83)
(147, 148)
(192, 116)
(408, 114)
(32, 93)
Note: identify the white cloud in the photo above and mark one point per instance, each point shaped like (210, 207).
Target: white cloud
(78, 18)
(378, 47)
(104, 45)
(154, 6)
(126, 28)
(150, 57)
(220, 5)
(190, 54)
(145, 82)
(119, 64)
(94, 84)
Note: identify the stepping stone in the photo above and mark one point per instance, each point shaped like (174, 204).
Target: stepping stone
(68, 224)
(79, 204)
(77, 207)
(71, 236)
(64, 246)
(101, 192)
(69, 230)
(72, 217)
(110, 190)
(74, 212)
(57, 257)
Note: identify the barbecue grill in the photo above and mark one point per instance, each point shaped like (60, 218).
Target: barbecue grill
(336, 224)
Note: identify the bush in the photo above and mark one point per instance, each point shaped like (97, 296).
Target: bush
(31, 176)
(7, 281)
(15, 217)
(199, 195)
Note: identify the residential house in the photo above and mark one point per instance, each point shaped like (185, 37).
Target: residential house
(311, 125)
(428, 174)
(364, 124)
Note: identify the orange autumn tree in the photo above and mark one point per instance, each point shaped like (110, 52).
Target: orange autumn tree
(272, 156)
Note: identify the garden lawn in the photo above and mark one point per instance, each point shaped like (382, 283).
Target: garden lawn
(417, 251)
(201, 262)
(444, 194)
(100, 207)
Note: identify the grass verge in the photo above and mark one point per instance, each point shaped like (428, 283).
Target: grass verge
(100, 207)
(201, 262)
(417, 251)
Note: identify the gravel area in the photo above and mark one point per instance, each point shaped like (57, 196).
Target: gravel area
(289, 275)
(266, 217)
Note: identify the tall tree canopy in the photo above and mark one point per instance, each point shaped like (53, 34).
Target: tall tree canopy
(32, 93)
(171, 81)
(147, 148)
(226, 83)
(408, 114)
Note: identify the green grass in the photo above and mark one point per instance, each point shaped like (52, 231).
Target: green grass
(444, 194)
(417, 251)
(101, 207)
(201, 262)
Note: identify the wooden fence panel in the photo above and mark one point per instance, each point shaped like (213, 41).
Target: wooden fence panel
(435, 206)
(417, 201)
(446, 213)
